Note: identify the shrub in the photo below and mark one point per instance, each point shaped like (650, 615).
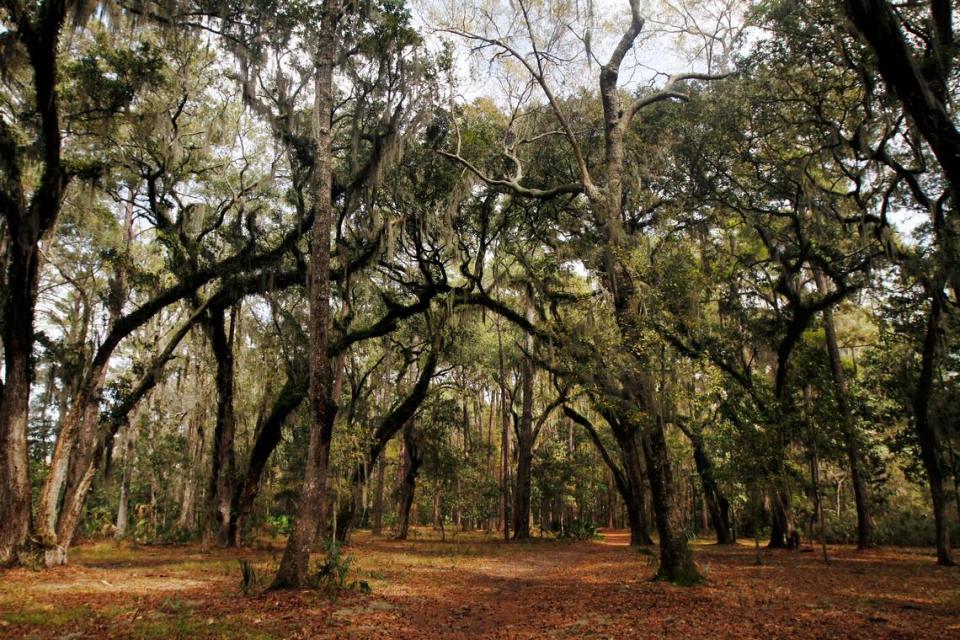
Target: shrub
(332, 572)
(279, 525)
(580, 530)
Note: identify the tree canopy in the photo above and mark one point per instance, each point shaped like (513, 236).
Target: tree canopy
(528, 267)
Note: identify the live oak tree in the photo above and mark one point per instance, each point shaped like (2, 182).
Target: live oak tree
(532, 42)
(265, 273)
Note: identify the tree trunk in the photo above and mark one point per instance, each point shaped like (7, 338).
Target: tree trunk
(779, 521)
(267, 438)
(123, 517)
(28, 222)
(411, 467)
(626, 480)
(219, 491)
(676, 560)
(861, 491)
(14, 403)
(296, 558)
(504, 442)
(714, 500)
(378, 496)
(635, 499)
(930, 449)
(521, 504)
(77, 432)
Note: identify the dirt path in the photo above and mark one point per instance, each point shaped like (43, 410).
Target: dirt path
(480, 588)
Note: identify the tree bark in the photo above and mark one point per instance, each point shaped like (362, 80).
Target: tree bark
(266, 440)
(525, 437)
(411, 468)
(716, 503)
(28, 223)
(624, 480)
(637, 502)
(930, 448)
(219, 491)
(294, 566)
(676, 560)
(378, 496)
(861, 491)
(779, 520)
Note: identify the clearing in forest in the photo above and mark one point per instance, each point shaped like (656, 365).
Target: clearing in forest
(473, 586)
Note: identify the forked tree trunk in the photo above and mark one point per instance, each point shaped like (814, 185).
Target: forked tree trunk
(676, 561)
(625, 480)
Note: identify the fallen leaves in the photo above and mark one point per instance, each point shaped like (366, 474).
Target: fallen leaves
(490, 589)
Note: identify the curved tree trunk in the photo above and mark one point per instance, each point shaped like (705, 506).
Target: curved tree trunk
(267, 438)
(861, 491)
(411, 468)
(624, 480)
(717, 504)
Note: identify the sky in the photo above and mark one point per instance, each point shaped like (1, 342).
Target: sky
(658, 52)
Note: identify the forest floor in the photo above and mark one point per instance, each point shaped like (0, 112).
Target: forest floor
(473, 586)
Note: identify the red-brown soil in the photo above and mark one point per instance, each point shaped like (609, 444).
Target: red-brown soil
(477, 587)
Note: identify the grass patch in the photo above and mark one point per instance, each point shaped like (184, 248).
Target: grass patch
(185, 627)
(46, 615)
